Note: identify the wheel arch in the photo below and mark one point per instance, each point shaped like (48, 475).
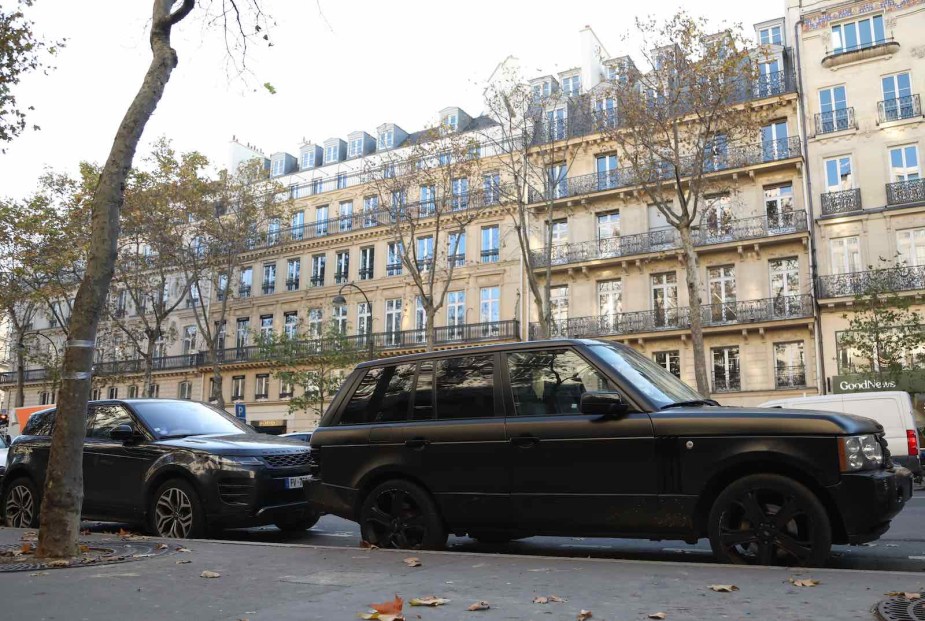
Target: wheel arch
(372, 479)
(172, 471)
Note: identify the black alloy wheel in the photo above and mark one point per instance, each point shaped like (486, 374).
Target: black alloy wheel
(768, 519)
(21, 504)
(399, 514)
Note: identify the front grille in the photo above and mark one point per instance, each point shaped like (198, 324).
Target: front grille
(287, 460)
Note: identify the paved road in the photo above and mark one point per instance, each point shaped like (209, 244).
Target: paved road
(901, 549)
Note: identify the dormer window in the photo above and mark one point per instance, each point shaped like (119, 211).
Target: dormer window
(278, 167)
(542, 90)
(308, 159)
(386, 140)
(355, 148)
(771, 35)
(451, 122)
(330, 154)
(571, 85)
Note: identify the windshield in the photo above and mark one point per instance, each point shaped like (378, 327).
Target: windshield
(177, 419)
(660, 386)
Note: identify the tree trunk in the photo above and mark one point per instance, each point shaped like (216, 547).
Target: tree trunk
(696, 318)
(63, 494)
(217, 394)
(20, 369)
(429, 315)
(148, 384)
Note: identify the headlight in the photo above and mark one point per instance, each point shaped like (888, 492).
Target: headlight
(860, 453)
(241, 460)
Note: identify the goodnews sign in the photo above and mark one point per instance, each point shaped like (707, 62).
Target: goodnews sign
(910, 381)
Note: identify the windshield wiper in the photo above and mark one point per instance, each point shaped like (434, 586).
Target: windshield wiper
(691, 403)
(175, 436)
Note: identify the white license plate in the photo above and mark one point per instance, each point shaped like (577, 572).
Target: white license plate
(295, 482)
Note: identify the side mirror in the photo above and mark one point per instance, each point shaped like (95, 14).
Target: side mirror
(122, 433)
(608, 404)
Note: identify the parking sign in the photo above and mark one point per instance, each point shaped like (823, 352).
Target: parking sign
(240, 411)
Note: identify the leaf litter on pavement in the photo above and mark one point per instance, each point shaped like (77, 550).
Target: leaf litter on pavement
(723, 588)
(429, 600)
(479, 605)
(803, 582)
(413, 561)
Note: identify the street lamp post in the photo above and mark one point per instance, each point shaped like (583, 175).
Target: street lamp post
(339, 299)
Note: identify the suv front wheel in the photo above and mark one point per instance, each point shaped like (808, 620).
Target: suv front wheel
(176, 511)
(21, 504)
(768, 519)
(400, 514)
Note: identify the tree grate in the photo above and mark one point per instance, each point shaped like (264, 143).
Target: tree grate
(901, 609)
(106, 554)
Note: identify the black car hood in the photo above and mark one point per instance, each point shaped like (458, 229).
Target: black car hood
(237, 444)
(718, 421)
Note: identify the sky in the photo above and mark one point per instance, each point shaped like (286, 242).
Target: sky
(337, 66)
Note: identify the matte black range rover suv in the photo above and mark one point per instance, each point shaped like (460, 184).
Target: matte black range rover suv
(589, 438)
(179, 467)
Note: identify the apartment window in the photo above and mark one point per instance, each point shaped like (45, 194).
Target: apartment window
(95, 394)
(428, 205)
(341, 181)
(904, 163)
(269, 278)
(331, 154)
(160, 347)
(278, 167)
(293, 273)
(220, 294)
(273, 236)
(392, 321)
(451, 121)
(393, 266)
(237, 388)
(722, 285)
(386, 140)
(910, 245)
(770, 36)
(558, 302)
(605, 111)
(490, 306)
(726, 369)
(220, 335)
(670, 360)
(456, 249)
(606, 172)
(367, 258)
(246, 282)
(555, 124)
(542, 90)
(897, 97)
(189, 339)
(665, 299)
(397, 205)
(314, 322)
(846, 255)
(775, 144)
(308, 159)
(355, 147)
(778, 207)
(266, 327)
(559, 232)
(317, 186)
(459, 188)
(318, 265)
(345, 215)
(290, 324)
(321, 221)
(342, 267)
(833, 106)
(364, 319)
(455, 311)
(185, 390)
(608, 225)
(857, 35)
(285, 389)
(45, 398)
(784, 275)
(424, 251)
(242, 333)
(340, 318)
(490, 244)
(262, 389)
(556, 181)
(212, 398)
(610, 300)
(420, 319)
(370, 211)
(789, 365)
(571, 85)
(121, 300)
(770, 78)
(491, 188)
(838, 174)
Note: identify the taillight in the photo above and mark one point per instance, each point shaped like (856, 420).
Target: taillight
(913, 442)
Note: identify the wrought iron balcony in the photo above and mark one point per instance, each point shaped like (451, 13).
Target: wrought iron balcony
(871, 281)
(456, 260)
(292, 284)
(835, 121)
(844, 201)
(244, 291)
(790, 376)
(668, 239)
(393, 269)
(727, 380)
(905, 192)
(340, 278)
(907, 107)
(728, 157)
(365, 273)
(316, 281)
(492, 255)
(268, 288)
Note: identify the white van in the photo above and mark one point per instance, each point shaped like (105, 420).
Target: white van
(892, 409)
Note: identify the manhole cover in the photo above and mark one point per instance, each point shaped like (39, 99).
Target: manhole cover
(901, 609)
(92, 554)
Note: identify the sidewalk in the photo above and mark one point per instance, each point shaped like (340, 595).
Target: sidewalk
(275, 582)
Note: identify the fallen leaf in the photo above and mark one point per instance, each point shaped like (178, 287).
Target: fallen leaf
(392, 607)
(555, 599)
(723, 588)
(541, 600)
(413, 561)
(658, 615)
(478, 606)
(381, 617)
(86, 531)
(162, 546)
(584, 614)
(124, 533)
(803, 582)
(26, 548)
(83, 549)
(210, 574)
(60, 563)
(368, 546)
(430, 600)
(183, 562)
(181, 549)
(909, 596)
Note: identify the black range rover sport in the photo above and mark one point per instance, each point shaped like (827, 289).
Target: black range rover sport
(179, 467)
(582, 437)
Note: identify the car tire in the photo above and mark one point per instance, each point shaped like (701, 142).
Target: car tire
(401, 514)
(298, 522)
(22, 504)
(176, 511)
(769, 519)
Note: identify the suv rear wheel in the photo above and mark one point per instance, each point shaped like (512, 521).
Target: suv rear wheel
(175, 511)
(400, 514)
(21, 504)
(768, 519)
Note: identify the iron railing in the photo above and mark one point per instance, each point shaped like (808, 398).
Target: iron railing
(905, 192)
(790, 376)
(726, 313)
(844, 201)
(456, 260)
(393, 269)
(835, 120)
(491, 255)
(292, 284)
(668, 239)
(729, 380)
(268, 288)
(727, 157)
(907, 107)
(340, 278)
(831, 50)
(244, 291)
(903, 278)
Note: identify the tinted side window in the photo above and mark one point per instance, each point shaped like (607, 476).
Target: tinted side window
(40, 424)
(105, 418)
(356, 410)
(396, 396)
(551, 382)
(465, 387)
(424, 392)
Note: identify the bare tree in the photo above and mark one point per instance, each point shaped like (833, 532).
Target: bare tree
(63, 491)
(429, 232)
(534, 146)
(678, 127)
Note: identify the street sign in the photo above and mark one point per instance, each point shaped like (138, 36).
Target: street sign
(240, 411)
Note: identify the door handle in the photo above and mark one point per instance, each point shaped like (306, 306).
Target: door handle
(525, 441)
(417, 444)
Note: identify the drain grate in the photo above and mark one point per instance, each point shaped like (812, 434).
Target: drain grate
(105, 554)
(901, 609)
